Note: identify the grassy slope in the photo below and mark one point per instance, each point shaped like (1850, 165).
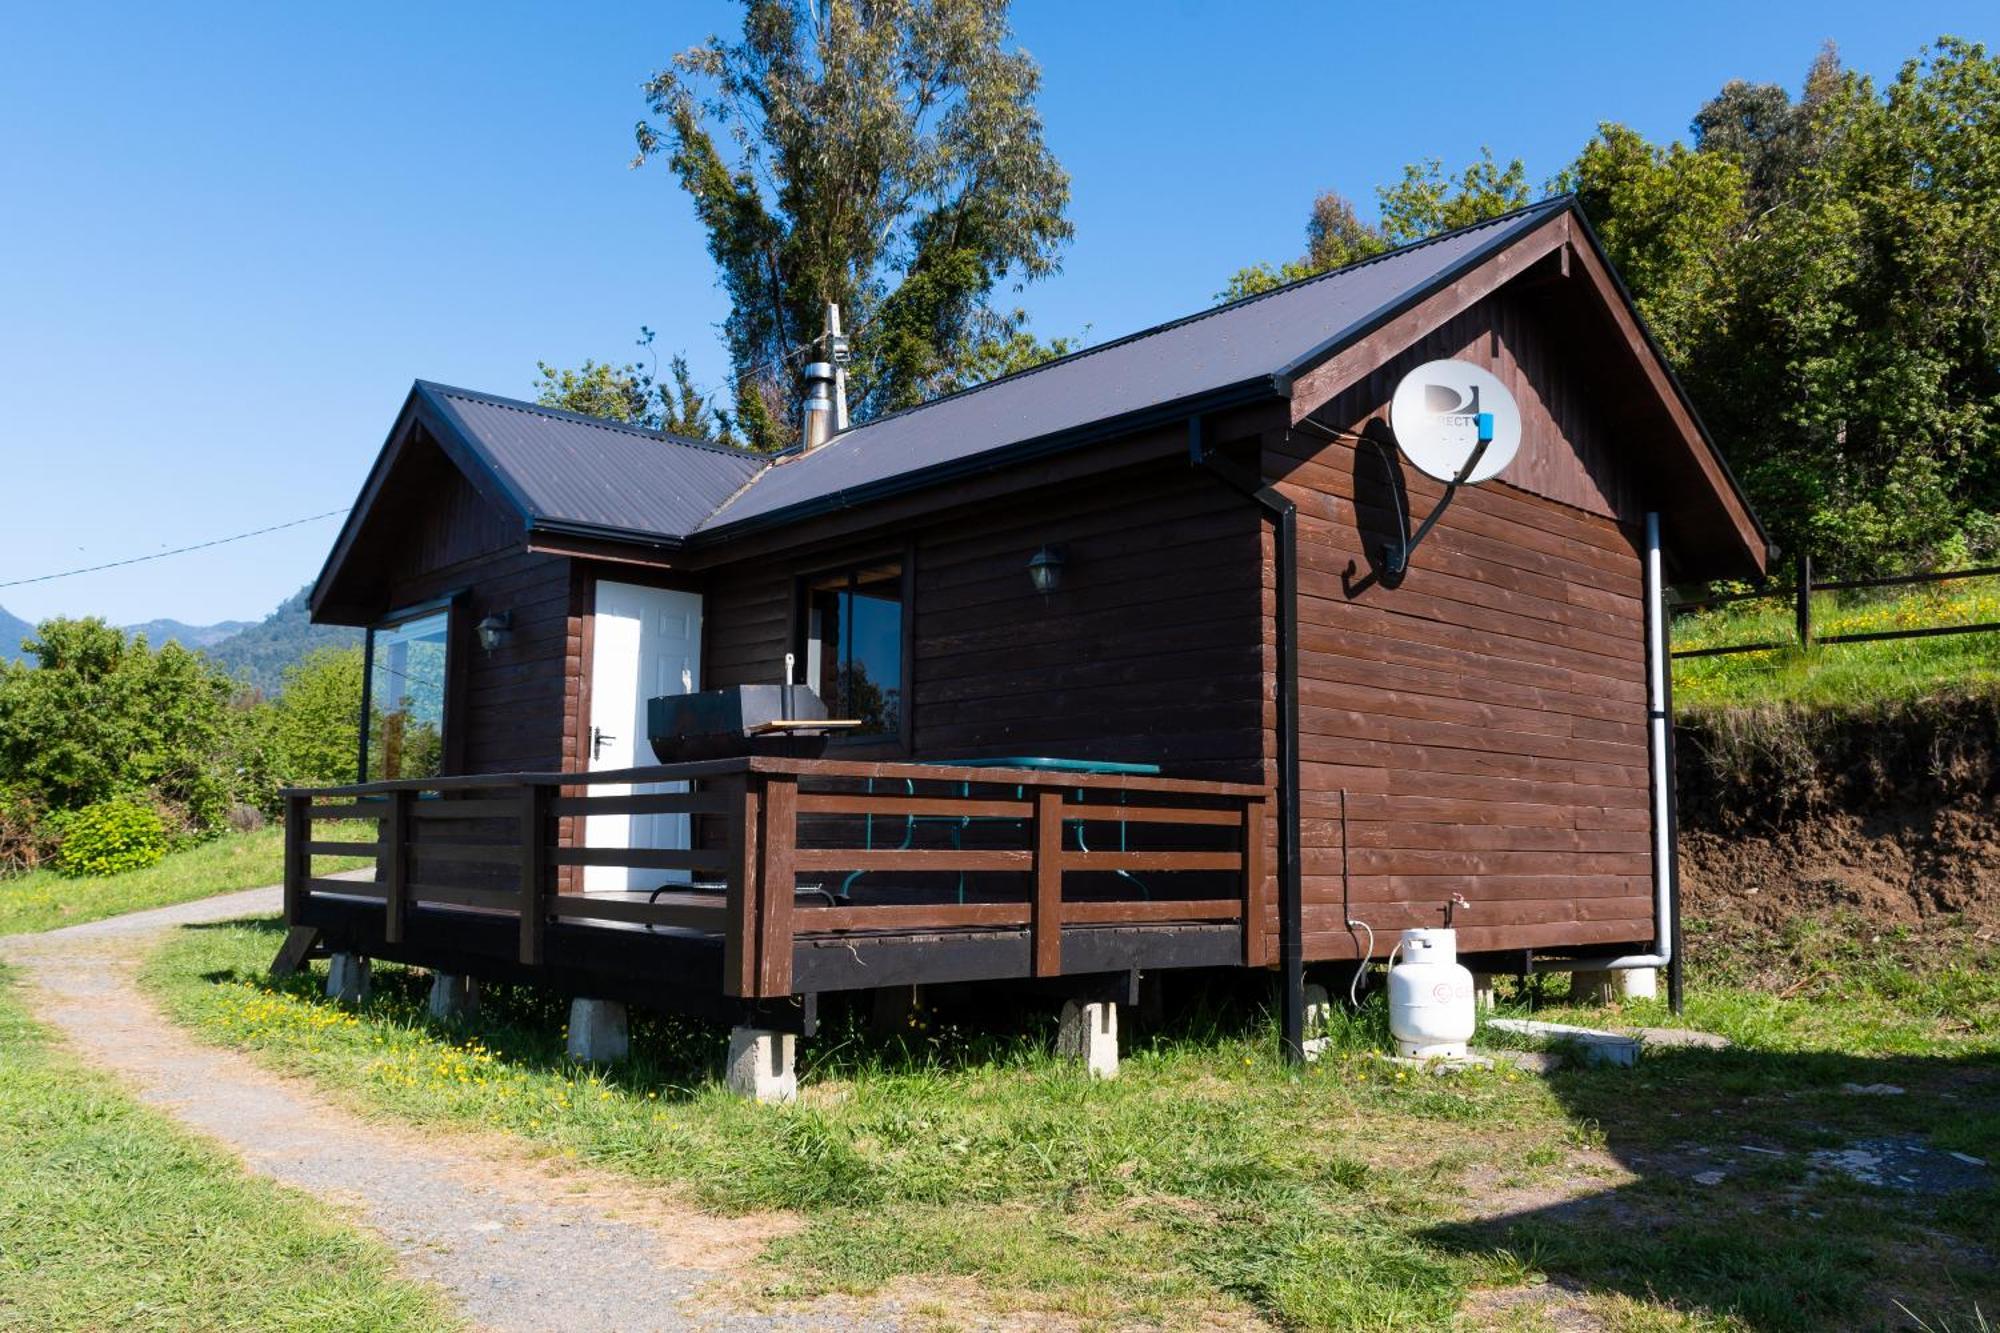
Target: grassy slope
(1209, 1177)
(45, 900)
(112, 1218)
(1841, 674)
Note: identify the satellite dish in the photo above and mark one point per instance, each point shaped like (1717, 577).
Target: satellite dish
(1443, 409)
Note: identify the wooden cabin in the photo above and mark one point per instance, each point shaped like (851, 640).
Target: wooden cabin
(1216, 729)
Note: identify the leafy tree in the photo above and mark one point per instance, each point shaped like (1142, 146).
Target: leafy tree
(315, 735)
(1670, 219)
(632, 393)
(887, 157)
(100, 716)
(1424, 203)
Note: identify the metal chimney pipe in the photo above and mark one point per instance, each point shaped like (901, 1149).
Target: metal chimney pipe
(819, 405)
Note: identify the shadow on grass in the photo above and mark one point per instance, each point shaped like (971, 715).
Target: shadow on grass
(1785, 1191)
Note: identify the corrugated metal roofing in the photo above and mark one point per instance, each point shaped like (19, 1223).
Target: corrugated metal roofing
(574, 470)
(1211, 351)
(565, 469)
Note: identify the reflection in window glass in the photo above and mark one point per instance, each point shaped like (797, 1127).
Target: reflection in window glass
(854, 645)
(406, 680)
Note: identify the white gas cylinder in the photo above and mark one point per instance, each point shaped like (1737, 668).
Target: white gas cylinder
(1430, 996)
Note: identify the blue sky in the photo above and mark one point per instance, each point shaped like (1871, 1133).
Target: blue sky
(231, 236)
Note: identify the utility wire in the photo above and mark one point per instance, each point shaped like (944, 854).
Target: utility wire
(179, 550)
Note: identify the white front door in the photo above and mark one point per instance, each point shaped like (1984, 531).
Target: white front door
(646, 642)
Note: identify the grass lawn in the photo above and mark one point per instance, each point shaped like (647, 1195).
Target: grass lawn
(111, 1218)
(1210, 1186)
(1837, 674)
(45, 900)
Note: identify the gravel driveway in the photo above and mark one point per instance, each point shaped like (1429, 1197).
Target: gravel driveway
(516, 1243)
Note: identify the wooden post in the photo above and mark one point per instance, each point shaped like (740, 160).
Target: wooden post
(534, 908)
(777, 881)
(1803, 611)
(739, 941)
(298, 865)
(1045, 922)
(1255, 863)
(396, 841)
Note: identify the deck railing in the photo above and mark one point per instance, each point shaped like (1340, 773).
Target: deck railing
(907, 848)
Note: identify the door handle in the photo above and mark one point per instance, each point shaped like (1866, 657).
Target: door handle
(599, 738)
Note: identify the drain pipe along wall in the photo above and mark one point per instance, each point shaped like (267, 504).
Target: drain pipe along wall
(1659, 740)
(1291, 904)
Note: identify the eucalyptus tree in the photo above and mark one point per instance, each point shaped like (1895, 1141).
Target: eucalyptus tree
(887, 157)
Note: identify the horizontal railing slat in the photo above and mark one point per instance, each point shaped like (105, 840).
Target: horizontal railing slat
(948, 807)
(830, 858)
(1163, 861)
(1112, 913)
(342, 848)
(475, 853)
(476, 807)
(353, 888)
(1150, 814)
(458, 895)
(648, 803)
(349, 810)
(907, 916)
(711, 917)
(639, 858)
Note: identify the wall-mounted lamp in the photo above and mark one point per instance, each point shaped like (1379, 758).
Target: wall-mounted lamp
(1045, 570)
(493, 630)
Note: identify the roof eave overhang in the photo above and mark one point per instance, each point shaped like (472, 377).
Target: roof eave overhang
(1257, 389)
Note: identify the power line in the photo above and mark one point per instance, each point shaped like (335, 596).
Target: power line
(179, 550)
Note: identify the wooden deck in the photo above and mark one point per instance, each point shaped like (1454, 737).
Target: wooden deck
(804, 876)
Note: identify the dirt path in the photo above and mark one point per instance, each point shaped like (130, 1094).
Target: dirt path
(516, 1244)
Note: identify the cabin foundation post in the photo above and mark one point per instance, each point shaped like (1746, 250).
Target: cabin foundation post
(597, 1033)
(1484, 996)
(1630, 983)
(453, 999)
(1318, 1019)
(1088, 1034)
(347, 979)
(763, 1065)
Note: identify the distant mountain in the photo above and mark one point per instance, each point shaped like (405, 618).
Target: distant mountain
(13, 629)
(259, 654)
(160, 633)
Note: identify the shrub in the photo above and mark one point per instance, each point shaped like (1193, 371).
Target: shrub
(110, 837)
(26, 837)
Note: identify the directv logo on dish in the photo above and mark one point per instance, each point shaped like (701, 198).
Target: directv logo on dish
(1455, 413)
(1443, 409)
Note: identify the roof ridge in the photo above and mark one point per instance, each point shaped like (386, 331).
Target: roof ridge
(585, 419)
(1180, 321)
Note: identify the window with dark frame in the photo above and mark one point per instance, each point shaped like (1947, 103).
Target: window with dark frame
(852, 644)
(407, 674)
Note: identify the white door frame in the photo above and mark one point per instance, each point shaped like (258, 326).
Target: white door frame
(645, 641)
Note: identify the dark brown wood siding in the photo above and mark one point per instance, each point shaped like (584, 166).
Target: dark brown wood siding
(1151, 651)
(1486, 717)
(508, 709)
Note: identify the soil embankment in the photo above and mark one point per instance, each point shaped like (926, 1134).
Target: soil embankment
(1888, 817)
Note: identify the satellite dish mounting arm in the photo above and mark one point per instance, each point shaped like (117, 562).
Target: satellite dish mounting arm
(1396, 556)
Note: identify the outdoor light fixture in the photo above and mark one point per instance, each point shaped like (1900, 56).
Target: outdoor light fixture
(493, 630)
(1045, 570)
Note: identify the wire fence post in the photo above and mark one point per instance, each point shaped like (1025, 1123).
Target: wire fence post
(1804, 612)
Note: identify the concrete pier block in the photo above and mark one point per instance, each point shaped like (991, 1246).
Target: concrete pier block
(347, 978)
(597, 1032)
(453, 999)
(763, 1065)
(1088, 1033)
(1484, 996)
(1632, 983)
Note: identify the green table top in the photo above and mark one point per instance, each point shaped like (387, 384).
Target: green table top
(1048, 763)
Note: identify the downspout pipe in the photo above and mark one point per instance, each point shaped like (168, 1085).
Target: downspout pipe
(1660, 740)
(1291, 905)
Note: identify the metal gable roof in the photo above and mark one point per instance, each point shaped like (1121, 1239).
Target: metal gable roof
(1250, 344)
(568, 472)
(581, 473)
